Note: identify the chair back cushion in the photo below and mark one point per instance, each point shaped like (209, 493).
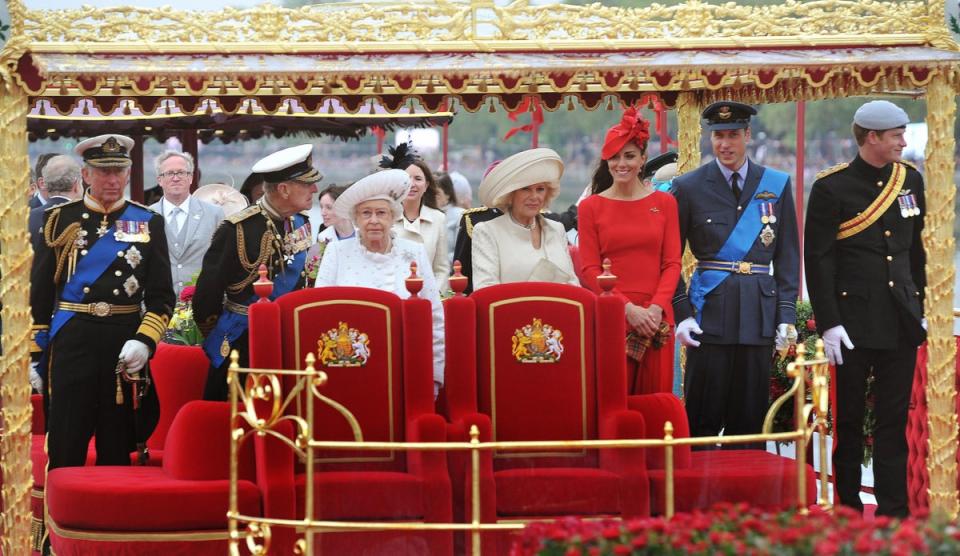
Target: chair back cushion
(179, 373)
(536, 372)
(356, 336)
(198, 445)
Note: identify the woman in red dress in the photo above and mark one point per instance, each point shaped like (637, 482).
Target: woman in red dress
(627, 221)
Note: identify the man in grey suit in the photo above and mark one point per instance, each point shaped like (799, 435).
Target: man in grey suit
(190, 222)
(738, 218)
(61, 174)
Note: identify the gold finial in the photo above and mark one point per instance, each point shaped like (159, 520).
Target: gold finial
(668, 430)
(474, 434)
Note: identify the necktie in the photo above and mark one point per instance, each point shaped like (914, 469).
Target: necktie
(175, 219)
(735, 185)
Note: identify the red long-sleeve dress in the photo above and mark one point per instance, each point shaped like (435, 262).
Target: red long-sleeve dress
(642, 240)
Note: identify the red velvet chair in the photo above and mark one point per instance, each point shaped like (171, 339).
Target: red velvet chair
(177, 508)
(704, 478)
(389, 390)
(540, 361)
(179, 374)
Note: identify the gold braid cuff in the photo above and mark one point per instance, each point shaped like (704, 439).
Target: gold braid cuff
(154, 326)
(34, 330)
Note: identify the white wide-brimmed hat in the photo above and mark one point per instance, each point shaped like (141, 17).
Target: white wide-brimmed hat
(518, 171)
(388, 185)
(222, 195)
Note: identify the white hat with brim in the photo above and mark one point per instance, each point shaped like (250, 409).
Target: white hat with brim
(293, 164)
(388, 185)
(222, 195)
(525, 168)
(106, 151)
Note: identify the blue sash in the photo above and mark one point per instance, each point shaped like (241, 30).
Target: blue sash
(89, 268)
(231, 326)
(739, 242)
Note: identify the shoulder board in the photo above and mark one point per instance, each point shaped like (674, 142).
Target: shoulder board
(143, 206)
(475, 210)
(61, 205)
(243, 214)
(909, 164)
(831, 170)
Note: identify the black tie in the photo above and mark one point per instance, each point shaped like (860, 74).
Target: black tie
(735, 185)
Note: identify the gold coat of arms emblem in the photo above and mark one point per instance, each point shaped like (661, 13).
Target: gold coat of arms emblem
(537, 343)
(344, 347)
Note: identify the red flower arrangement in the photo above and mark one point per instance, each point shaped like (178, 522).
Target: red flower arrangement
(186, 294)
(730, 529)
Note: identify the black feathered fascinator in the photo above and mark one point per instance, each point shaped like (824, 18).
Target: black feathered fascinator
(399, 157)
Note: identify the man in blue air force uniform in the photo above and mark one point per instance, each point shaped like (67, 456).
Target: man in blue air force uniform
(739, 219)
(100, 291)
(275, 231)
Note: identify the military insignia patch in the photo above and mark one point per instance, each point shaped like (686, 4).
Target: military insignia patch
(537, 343)
(133, 256)
(767, 236)
(131, 285)
(344, 347)
(765, 196)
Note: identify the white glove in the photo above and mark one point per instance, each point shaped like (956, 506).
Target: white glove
(831, 344)
(685, 331)
(134, 354)
(786, 336)
(36, 381)
(923, 323)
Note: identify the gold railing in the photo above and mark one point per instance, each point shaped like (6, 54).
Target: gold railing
(261, 404)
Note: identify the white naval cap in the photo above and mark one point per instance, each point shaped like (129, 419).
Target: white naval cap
(106, 151)
(880, 115)
(389, 185)
(292, 164)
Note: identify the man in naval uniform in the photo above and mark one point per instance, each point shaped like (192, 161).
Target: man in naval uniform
(100, 292)
(275, 231)
(865, 274)
(738, 218)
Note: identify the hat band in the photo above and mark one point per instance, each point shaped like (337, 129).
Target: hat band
(299, 172)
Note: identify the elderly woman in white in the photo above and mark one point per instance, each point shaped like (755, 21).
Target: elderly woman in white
(376, 258)
(521, 245)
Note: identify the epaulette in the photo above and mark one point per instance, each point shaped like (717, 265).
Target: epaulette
(475, 209)
(831, 170)
(469, 221)
(243, 214)
(143, 206)
(910, 164)
(61, 205)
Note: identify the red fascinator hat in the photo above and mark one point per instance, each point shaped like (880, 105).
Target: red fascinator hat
(632, 127)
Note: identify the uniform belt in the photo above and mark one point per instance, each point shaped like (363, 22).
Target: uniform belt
(736, 267)
(235, 307)
(100, 309)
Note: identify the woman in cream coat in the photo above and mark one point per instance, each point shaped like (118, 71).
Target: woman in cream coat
(421, 221)
(521, 245)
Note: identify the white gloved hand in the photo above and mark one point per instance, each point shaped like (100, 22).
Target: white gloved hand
(786, 336)
(36, 381)
(685, 331)
(831, 344)
(923, 323)
(134, 354)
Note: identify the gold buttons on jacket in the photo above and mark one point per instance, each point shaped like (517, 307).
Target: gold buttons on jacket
(116, 292)
(890, 283)
(887, 233)
(889, 258)
(119, 253)
(709, 220)
(83, 251)
(118, 273)
(879, 184)
(843, 294)
(86, 289)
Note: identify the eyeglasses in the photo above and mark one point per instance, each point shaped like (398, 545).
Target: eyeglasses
(174, 174)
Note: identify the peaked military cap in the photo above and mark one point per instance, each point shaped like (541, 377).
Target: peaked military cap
(880, 115)
(106, 151)
(293, 164)
(727, 114)
(657, 162)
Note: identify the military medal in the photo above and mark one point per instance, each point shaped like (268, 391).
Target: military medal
(81, 240)
(133, 256)
(296, 241)
(766, 213)
(225, 347)
(104, 227)
(132, 231)
(767, 236)
(131, 285)
(913, 203)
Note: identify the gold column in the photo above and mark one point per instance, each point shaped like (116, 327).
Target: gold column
(688, 134)
(939, 244)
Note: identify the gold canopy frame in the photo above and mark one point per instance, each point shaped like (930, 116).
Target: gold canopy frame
(470, 53)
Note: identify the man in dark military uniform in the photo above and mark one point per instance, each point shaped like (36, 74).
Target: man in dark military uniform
(274, 232)
(100, 291)
(738, 218)
(865, 274)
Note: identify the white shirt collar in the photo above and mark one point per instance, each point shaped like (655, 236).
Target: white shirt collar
(169, 205)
